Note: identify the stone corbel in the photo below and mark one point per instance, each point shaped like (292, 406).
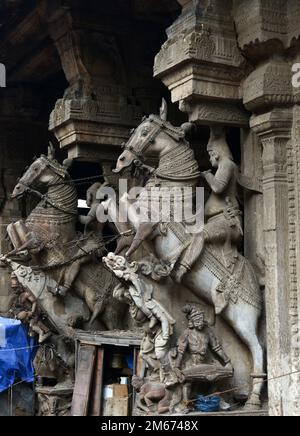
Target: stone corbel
(277, 122)
(208, 112)
(261, 26)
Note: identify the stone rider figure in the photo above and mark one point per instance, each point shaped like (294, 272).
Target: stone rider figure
(222, 214)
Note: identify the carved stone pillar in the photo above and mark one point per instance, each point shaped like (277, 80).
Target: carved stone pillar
(268, 33)
(294, 257)
(274, 130)
(109, 76)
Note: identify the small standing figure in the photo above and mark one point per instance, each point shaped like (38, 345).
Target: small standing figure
(31, 315)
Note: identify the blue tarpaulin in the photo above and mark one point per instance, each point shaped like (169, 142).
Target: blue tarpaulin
(17, 352)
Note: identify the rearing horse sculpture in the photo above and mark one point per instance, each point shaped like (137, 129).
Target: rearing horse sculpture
(209, 278)
(49, 234)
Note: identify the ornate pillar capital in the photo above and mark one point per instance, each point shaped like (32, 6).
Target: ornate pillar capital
(201, 63)
(266, 27)
(274, 124)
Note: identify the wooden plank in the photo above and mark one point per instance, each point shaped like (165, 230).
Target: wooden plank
(96, 396)
(83, 382)
(122, 339)
(139, 369)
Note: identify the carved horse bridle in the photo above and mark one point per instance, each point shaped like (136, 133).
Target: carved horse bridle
(44, 197)
(176, 133)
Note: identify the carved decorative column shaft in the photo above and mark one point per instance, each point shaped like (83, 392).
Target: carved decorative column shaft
(274, 130)
(268, 34)
(294, 257)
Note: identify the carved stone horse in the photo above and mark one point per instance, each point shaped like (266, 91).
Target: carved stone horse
(236, 295)
(49, 235)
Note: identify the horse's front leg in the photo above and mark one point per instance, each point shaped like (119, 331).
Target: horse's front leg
(144, 231)
(70, 275)
(124, 242)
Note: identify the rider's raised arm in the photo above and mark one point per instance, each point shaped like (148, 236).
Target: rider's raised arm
(221, 180)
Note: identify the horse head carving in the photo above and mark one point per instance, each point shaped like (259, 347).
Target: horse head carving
(43, 171)
(154, 136)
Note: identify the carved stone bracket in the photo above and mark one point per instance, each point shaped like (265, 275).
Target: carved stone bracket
(208, 112)
(266, 26)
(261, 21)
